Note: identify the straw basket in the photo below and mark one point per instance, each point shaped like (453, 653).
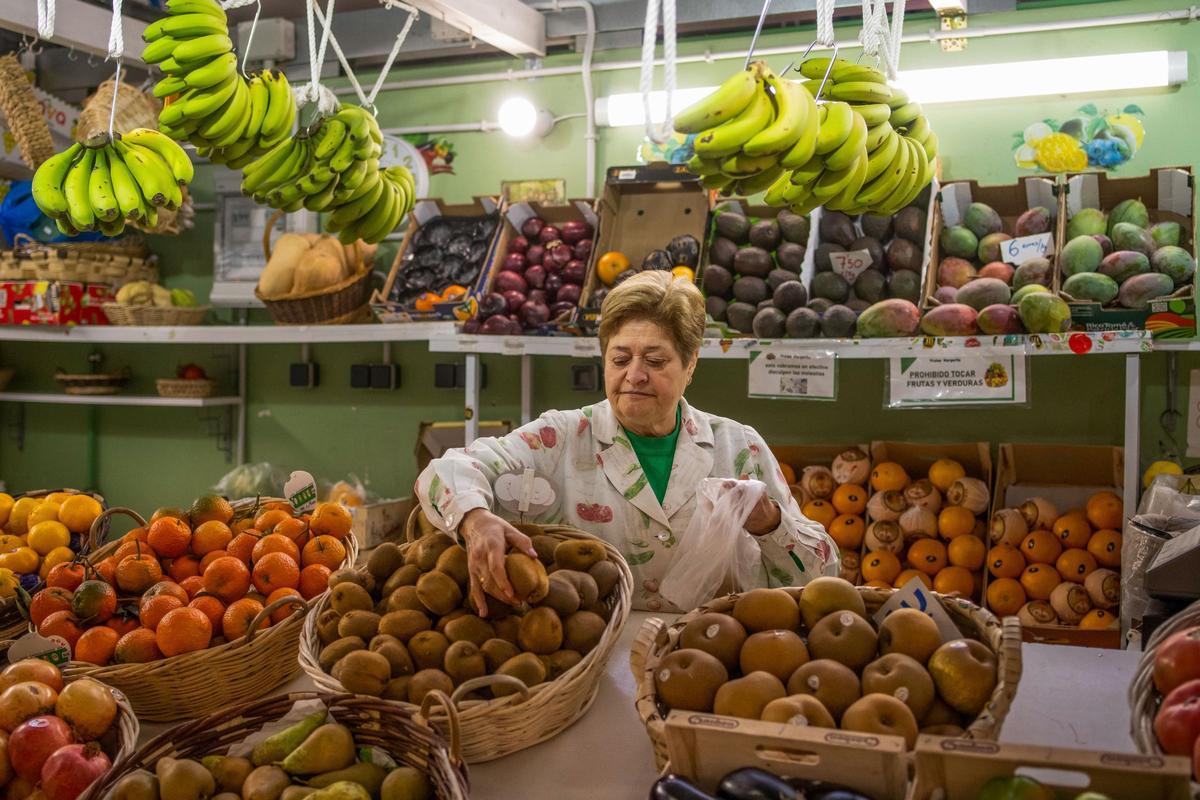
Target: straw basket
(23, 113)
(1144, 698)
(31, 260)
(12, 624)
(656, 639)
(495, 728)
(186, 387)
(127, 314)
(92, 383)
(402, 734)
(198, 683)
(345, 302)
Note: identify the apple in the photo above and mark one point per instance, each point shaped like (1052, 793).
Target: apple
(1196, 760)
(1177, 660)
(1177, 726)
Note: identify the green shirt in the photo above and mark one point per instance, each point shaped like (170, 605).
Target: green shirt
(657, 454)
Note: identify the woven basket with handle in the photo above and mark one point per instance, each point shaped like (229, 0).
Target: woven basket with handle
(402, 733)
(199, 683)
(656, 639)
(23, 113)
(30, 260)
(495, 728)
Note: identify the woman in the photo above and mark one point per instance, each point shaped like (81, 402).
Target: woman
(625, 469)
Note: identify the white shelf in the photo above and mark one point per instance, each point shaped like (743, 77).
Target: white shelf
(228, 334)
(116, 400)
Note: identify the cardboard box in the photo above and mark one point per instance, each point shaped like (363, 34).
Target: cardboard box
(1170, 196)
(435, 438)
(1066, 475)
(423, 212)
(705, 747)
(1008, 200)
(53, 303)
(956, 769)
(642, 209)
(376, 523)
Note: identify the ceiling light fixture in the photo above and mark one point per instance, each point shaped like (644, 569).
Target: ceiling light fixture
(520, 118)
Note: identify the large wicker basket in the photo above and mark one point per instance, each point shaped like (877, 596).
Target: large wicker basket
(30, 260)
(197, 684)
(23, 114)
(656, 639)
(127, 314)
(401, 733)
(495, 728)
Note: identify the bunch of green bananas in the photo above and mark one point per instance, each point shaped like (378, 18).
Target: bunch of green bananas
(333, 167)
(102, 184)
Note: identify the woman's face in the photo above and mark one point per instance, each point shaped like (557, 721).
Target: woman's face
(644, 377)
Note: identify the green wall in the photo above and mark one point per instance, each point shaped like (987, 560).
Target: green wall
(151, 457)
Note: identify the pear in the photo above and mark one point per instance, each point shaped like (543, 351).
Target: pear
(265, 783)
(227, 796)
(137, 785)
(296, 792)
(276, 748)
(406, 783)
(341, 790)
(369, 776)
(328, 748)
(184, 779)
(230, 773)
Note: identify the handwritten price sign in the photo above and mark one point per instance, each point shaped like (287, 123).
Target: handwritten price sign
(1018, 251)
(851, 264)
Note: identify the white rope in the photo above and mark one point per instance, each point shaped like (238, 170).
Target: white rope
(880, 39)
(316, 56)
(825, 22)
(116, 34)
(649, 35)
(897, 38)
(368, 100)
(45, 19)
(228, 4)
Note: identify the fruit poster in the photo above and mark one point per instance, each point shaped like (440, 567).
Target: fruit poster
(1092, 138)
(997, 376)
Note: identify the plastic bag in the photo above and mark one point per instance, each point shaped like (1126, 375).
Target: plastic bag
(252, 480)
(716, 552)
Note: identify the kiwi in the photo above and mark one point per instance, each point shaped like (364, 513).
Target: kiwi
(346, 597)
(526, 667)
(584, 584)
(844, 637)
(428, 649)
(363, 624)
(395, 652)
(717, 634)
(834, 684)
(464, 661)
(384, 560)
(527, 576)
(561, 595)
(404, 625)
(426, 681)
(902, 677)
(397, 689)
(507, 628)
(747, 697)
(458, 613)
(766, 609)
(334, 652)
(558, 663)
(351, 575)
(405, 599)
(582, 631)
(469, 628)
(430, 548)
(453, 562)
(406, 575)
(496, 652)
(798, 709)
(579, 554)
(544, 546)
(540, 631)
(327, 625)
(778, 652)
(689, 679)
(363, 672)
(438, 592)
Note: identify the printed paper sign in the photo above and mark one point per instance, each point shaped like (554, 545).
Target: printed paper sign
(301, 491)
(914, 595)
(997, 377)
(780, 372)
(1018, 251)
(852, 264)
(48, 648)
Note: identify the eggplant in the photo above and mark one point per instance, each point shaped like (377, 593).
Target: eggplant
(459, 246)
(429, 256)
(673, 787)
(658, 259)
(751, 783)
(823, 790)
(685, 250)
(438, 232)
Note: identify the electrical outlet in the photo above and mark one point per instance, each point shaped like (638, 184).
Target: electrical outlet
(385, 376)
(454, 376)
(360, 376)
(585, 377)
(304, 374)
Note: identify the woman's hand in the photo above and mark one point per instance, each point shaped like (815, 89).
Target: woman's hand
(487, 538)
(764, 518)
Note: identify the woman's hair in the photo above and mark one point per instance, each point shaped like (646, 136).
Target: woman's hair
(674, 304)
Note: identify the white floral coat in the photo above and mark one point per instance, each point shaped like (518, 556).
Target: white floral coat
(599, 487)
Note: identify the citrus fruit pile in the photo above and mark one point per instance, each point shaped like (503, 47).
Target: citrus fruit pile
(52, 737)
(190, 580)
(1057, 569)
(39, 533)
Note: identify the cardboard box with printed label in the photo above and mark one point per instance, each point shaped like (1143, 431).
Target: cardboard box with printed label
(53, 303)
(376, 523)
(435, 438)
(1169, 194)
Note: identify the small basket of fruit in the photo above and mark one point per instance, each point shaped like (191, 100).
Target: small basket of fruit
(220, 589)
(517, 677)
(56, 740)
(190, 381)
(810, 655)
(323, 746)
(146, 303)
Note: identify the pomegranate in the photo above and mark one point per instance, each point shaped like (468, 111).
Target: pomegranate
(72, 769)
(23, 700)
(34, 741)
(88, 707)
(559, 255)
(549, 234)
(518, 244)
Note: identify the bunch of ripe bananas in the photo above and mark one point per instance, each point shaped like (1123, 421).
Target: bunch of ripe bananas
(865, 148)
(107, 182)
(334, 167)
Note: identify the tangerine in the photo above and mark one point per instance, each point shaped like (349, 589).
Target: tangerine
(287, 609)
(124, 621)
(170, 537)
(1105, 547)
(94, 601)
(1073, 529)
(927, 555)
(295, 529)
(213, 608)
(18, 515)
(944, 472)
(269, 519)
(169, 588)
(1041, 547)
(136, 574)
(242, 546)
(154, 609)
(849, 499)
(275, 543)
(64, 624)
(1105, 510)
(48, 601)
(1098, 620)
(888, 476)
(139, 646)
(210, 558)
(96, 645)
(334, 519)
(955, 521)
(610, 265)
(314, 579)
(240, 616)
(211, 508)
(954, 580)
(227, 578)
(67, 575)
(193, 585)
(47, 535)
(1005, 561)
(881, 566)
(1005, 596)
(966, 551)
(1075, 565)
(908, 574)
(275, 571)
(106, 569)
(878, 585)
(789, 474)
(848, 530)
(46, 511)
(59, 555)
(1039, 580)
(183, 630)
(183, 567)
(324, 550)
(820, 512)
(210, 536)
(136, 547)
(138, 534)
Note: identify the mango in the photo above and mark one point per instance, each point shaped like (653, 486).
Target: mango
(889, 318)
(989, 246)
(998, 269)
(1035, 270)
(1124, 264)
(954, 319)
(1105, 243)
(1091, 286)
(1081, 254)
(999, 319)
(1132, 212)
(983, 292)
(1126, 236)
(1138, 291)
(1087, 222)
(1166, 233)
(1043, 312)
(1174, 262)
(982, 220)
(1035, 220)
(1025, 291)
(958, 240)
(954, 271)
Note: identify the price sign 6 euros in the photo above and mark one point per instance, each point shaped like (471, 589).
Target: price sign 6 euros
(1021, 249)
(851, 264)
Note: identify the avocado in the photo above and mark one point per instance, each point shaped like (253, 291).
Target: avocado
(750, 289)
(793, 227)
(717, 281)
(722, 252)
(872, 246)
(831, 286)
(765, 234)
(803, 323)
(740, 316)
(753, 261)
(790, 296)
(790, 256)
(821, 255)
(715, 307)
(769, 323)
(838, 322)
(836, 227)
(876, 226)
(905, 285)
(910, 225)
(819, 304)
(871, 286)
(733, 226)
(780, 276)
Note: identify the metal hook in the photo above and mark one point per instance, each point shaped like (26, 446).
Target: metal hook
(91, 60)
(72, 55)
(762, 17)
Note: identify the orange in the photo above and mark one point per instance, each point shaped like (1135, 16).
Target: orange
(135, 547)
(314, 579)
(955, 521)
(1039, 580)
(269, 519)
(96, 645)
(137, 647)
(687, 273)
(944, 472)
(211, 507)
(285, 610)
(275, 543)
(820, 512)
(167, 511)
(888, 476)
(1005, 596)
(879, 584)
(242, 546)
(849, 499)
(908, 574)
(239, 616)
(193, 585)
(426, 301)
(954, 580)
(295, 529)
(169, 588)
(1104, 510)
(1098, 620)
(136, 574)
(136, 535)
(107, 569)
(275, 571)
(47, 601)
(1073, 529)
(610, 265)
(240, 525)
(333, 519)
(927, 555)
(966, 551)
(324, 550)
(1105, 547)
(183, 630)
(209, 536)
(64, 624)
(209, 558)
(183, 567)
(94, 602)
(124, 621)
(154, 609)
(881, 566)
(213, 608)
(847, 530)
(453, 292)
(67, 575)
(1005, 561)
(1041, 547)
(78, 512)
(227, 578)
(789, 474)
(1075, 565)
(170, 537)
